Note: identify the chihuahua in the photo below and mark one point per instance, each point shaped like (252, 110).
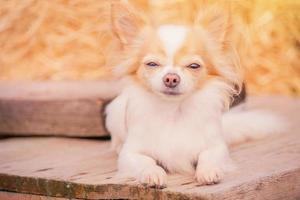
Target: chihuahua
(172, 114)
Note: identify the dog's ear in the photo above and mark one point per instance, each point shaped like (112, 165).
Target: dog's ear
(215, 20)
(126, 22)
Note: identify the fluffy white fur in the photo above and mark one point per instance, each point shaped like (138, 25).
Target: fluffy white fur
(153, 135)
(240, 125)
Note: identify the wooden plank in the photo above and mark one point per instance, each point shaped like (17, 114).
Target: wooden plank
(81, 118)
(19, 196)
(81, 168)
(72, 108)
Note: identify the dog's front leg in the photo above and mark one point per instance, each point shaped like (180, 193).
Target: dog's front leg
(143, 168)
(211, 163)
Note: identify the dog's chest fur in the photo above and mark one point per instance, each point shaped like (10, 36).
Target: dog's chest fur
(172, 133)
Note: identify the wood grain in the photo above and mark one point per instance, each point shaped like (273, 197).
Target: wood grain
(53, 108)
(82, 168)
(20, 196)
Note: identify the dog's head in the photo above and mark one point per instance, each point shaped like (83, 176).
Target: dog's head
(174, 60)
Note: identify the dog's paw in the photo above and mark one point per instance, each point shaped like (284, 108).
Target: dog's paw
(208, 175)
(153, 176)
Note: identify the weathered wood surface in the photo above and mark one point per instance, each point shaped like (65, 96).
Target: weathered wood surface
(85, 168)
(19, 196)
(71, 108)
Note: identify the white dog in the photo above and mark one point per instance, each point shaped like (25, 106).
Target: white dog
(171, 115)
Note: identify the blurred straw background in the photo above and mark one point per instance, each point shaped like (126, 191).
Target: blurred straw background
(68, 39)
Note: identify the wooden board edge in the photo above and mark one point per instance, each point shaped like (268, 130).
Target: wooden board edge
(281, 185)
(61, 117)
(71, 190)
(4, 195)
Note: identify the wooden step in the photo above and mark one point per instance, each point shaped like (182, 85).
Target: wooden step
(86, 168)
(65, 108)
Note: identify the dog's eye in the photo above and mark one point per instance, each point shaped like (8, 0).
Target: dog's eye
(194, 66)
(152, 64)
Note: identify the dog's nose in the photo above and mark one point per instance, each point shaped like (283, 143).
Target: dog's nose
(171, 80)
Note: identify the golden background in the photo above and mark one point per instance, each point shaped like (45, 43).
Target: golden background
(63, 39)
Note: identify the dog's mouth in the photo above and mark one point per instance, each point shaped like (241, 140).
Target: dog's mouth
(171, 93)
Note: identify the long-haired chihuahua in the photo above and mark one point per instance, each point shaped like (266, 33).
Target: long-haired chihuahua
(172, 115)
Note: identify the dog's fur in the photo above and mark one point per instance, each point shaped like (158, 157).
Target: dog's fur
(185, 129)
